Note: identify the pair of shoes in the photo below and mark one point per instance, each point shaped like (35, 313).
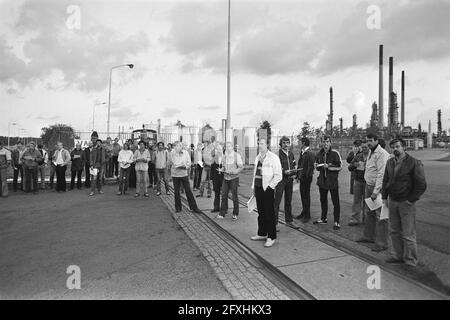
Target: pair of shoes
(306, 220)
(91, 194)
(146, 195)
(363, 240)
(336, 226)
(394, 260)
(158, 193)
(234, 217)
(292, 225)
(353, 223)
(119, 193)
(320, 221)
(269, 242)
(100, 192)
(197, 211)
(378, 249)
(219, 216)
(258, 238)
(215, 210)
(136, 195)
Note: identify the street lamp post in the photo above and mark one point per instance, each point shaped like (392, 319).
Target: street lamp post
(9, 126)
(109, 95)
(93, 114)
(228, 123)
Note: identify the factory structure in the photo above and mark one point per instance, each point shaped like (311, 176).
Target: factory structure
(395, 125)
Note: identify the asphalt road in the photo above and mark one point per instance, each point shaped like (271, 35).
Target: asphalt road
(126, 248)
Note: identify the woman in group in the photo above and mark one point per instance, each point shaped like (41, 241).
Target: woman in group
(141, 158)
(266, 175)
(125, 159)
(132, 180)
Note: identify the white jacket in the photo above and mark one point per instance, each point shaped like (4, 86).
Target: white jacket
(125, 158)
(375, 166)
(271, 170)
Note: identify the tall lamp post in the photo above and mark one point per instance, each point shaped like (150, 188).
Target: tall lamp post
(93, 114)
(9, 126)
(228, 123)
(109, 95)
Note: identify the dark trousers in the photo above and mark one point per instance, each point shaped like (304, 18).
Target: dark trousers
(52, 174)
(230, 185)
(31, 179)
(324, 203)
(352, 179)
(61, 178)
(96, 181)
(284, 186)
(124, 179)
(87, 175)
(266, 213)
(132, 181)
(197, 176)
(375, 229)
(177, 182)
(305, 195)
(161, 176)
(115, 165)
(76, 173)
(108, 168)
(16, 176)
(151, 174)
(217, 185)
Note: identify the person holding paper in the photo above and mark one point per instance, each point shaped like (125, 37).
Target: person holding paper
(141, 158)
(305, 174)
(266, 175)
(357, 167)
(77, 156)
(375, 229)
(161, 162)
(328, 163)
(403, 184)
(98, 158)
(286, 184)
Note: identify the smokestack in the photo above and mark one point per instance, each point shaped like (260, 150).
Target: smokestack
(391, 88)
(341, 127)
(429, 136)
(331, 110)
(380, 89)
(439, 123)
(402, 119)
(354, 122)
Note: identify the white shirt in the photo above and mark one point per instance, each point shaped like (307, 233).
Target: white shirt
(271, 170)
(59, 158)
(125, 158)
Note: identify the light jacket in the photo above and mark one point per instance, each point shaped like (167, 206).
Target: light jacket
(142, 166)
(35, 155)
(375, 166)
(271, 170)
(125, 158)
(65, 156)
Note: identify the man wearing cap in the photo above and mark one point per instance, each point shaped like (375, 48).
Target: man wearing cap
(31, 158)
(5, 161)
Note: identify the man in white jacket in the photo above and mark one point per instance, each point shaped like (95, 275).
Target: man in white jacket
(266, 175)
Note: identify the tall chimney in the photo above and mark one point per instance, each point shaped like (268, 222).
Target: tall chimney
(380, 89)
(354, 122)
(402, 119)
(439, 123)
(341, 127)
(331, 110)
(391, 88)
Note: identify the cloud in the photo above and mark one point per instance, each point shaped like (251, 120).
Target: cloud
(243, 113)
(82, 58)
(416, 100)
(170, 112)
(267, 39)
(47, 118)
(124, 113)
(355, 102)
(208, 108)
(286, 95)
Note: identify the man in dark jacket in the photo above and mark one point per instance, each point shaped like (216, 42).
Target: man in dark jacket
(328, 163)
(350, 156)
(31, 159)
(286, 184)
(77, 157)
(357, 167)
(18, 166)
(97, 161)
(87, 165)
(305, 175)
(403, 183)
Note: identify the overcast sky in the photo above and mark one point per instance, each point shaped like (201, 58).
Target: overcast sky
(285, 56)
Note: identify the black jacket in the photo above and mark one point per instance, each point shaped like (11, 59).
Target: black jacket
(306, 162)
(406, 182)
(328, 179)
(358, 174)
(287, 162)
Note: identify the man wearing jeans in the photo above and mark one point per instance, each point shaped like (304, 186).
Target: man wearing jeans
(232, 166)
(305, 175)
(375, 229)
(30, 159)
(207, 158)
(403, 184)
(161, 157)
(286, 184)
(180, 161)
(358, 166)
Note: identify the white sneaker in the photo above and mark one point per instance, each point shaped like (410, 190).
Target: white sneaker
(257, 238)
(269, 242)
(220, 217)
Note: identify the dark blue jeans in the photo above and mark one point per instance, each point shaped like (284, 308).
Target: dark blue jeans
(177, 182)
(230, 185)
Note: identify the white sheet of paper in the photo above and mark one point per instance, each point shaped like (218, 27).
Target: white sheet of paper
(321, 165)
(374, 205)
(200, 163)
(251, 204)
(384, 212)
(93, 171)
